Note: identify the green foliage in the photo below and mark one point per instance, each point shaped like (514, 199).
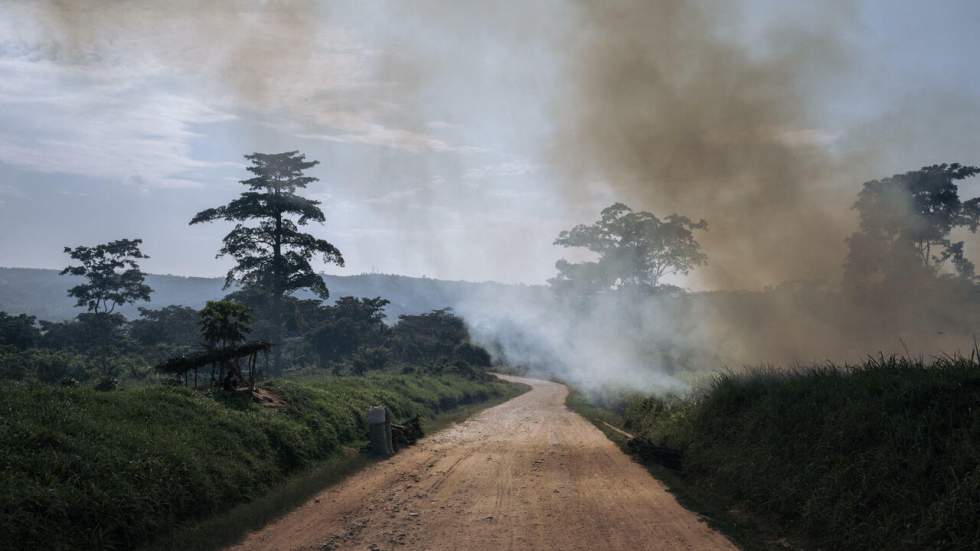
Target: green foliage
(634, 249)
(19, 332)
(82, 469)
(113, 274)
(86, 333)
(55, 366)
(370, 358)
(274, 255)
(347, 326)
(224, 323)
(880, 456)
(428, 338)
(170, 325)
(906, 221)
(473, 355)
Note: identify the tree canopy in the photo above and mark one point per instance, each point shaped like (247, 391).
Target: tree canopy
(905, 226)
(274, 254)
(19, 332)
(172, 325)
(224, 323)
(633, 249)
(113, 274)
(349, 325)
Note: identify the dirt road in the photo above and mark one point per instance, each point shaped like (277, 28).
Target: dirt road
(527, 474)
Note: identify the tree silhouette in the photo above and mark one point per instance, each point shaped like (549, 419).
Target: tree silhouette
(113, 274)
(634, 249)
(905, 226)
(273, 256)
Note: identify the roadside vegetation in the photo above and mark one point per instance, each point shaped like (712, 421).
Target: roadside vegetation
(884, 455)
(84, 469)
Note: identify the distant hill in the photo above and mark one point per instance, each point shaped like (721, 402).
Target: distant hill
(44, 293)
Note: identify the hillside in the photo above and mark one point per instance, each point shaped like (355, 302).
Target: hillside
(44, 293)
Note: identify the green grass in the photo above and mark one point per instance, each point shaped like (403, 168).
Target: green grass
(82, 469)
(885, 455)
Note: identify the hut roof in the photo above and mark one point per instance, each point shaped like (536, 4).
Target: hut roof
(187, 362)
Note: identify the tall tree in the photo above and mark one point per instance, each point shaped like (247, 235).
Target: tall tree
(272, 254)
(905, 226)
(633, 249)
(113, 274)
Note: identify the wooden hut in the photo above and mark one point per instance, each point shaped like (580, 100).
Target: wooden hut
(223, 362)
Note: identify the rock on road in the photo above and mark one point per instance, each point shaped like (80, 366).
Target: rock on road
(526, 474)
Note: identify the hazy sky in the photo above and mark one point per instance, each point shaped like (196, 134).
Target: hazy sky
(432, 121)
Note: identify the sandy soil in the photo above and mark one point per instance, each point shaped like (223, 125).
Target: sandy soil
(527, 474)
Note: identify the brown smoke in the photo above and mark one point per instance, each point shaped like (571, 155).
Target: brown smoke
(260, 50)
(674, 118)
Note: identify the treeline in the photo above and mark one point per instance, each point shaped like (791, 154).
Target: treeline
(348, 337)
(273, 262)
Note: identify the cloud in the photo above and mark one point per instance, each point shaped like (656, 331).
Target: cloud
(370, 133)
(516, 167)
(99, 121)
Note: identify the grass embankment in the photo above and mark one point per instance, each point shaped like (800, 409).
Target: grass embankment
(880, 456)
(82, 469)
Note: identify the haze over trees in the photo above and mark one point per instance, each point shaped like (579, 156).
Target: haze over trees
(634, 250)
(905, 226)
(272, 256)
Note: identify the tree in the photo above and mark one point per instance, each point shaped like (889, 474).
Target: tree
(905, 226)
(428, 337)
(348, 326)
(224, 323)
(634, 249)
(113, 274)
(171, 325)
(101, 334)
(20, 332)
(273, 255)
(369, 358)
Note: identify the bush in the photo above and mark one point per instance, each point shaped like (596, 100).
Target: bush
(53, 366)
(881, 456)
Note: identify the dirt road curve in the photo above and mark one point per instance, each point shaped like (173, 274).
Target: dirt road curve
(527, 474)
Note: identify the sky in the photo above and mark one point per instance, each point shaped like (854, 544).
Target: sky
(435, 123)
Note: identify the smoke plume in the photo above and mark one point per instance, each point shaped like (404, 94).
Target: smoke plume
(675, 118)
(660, 104)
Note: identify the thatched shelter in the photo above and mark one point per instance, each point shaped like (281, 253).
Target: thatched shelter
(226, 360)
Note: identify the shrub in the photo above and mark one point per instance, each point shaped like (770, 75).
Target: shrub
(880, 456)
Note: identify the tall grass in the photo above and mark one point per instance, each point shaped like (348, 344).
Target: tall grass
(82, 469)
(884, 455)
